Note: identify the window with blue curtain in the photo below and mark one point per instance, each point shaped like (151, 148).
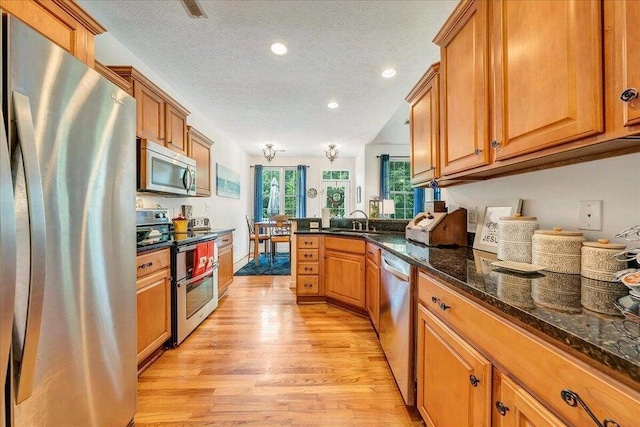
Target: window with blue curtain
(395, 184)
(257, 193)
(301, 188)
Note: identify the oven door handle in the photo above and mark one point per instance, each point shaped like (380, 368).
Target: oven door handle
(197, 278)
(192, 247)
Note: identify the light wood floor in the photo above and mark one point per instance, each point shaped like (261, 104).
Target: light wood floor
(262, 360)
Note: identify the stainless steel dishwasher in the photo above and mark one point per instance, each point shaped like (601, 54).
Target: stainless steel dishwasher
(397, 335)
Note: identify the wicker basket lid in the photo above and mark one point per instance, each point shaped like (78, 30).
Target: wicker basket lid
(604, 244)
(518, 217)
(558, 231)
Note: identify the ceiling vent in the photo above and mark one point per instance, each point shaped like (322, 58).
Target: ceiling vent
(193, 8)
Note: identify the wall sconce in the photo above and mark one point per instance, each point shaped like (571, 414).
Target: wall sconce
(269, 152)
(332, 152)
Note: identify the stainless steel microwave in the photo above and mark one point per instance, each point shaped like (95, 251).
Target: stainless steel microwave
(161, 170)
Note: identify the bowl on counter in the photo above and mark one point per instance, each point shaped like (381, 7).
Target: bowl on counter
(632, 280)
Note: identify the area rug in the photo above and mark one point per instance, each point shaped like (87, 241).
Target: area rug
(281, 267)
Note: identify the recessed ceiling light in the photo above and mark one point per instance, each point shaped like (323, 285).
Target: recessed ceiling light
(388, 73)
(279, 49)
(332, 105)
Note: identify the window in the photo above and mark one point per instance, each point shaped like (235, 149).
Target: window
(335, 190)
(279, 193)
(400, 187)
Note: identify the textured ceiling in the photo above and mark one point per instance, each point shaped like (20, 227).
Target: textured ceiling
(337, 51)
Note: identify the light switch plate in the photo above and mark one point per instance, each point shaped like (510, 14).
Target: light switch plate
(590, 215)
(472, 212)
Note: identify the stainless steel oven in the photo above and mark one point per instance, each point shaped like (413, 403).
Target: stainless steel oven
(195, 287)
(161, 170)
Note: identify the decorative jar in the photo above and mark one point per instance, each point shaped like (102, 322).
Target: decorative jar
(514, 237)
(557, 250)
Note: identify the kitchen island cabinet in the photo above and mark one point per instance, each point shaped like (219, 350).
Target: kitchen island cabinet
(372, 277)
(344, 267)
(153, 287)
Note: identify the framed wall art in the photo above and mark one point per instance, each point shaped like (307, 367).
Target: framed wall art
(227, 182)
(487, 229)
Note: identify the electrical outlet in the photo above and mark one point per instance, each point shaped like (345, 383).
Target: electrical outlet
(473, 214)
(206, 207)
(590, 215)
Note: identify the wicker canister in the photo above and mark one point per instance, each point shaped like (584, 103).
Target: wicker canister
(598, 261)
(600, 296)
(557, 250)
(514, 237)
(558, 291)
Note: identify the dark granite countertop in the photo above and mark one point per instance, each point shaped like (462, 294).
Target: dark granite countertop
(215, 232)
(523, 298)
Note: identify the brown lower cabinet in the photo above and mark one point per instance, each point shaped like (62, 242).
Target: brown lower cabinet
(461, 346)
(344, 271)
(225, 263)
(372, 284)
(154, 304)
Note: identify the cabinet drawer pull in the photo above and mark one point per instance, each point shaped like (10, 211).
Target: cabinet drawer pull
(143, 266)
(308, 269)
(444, 306)
(502, 408)
(225, 240)
(306, 242)
(474, 381)
(477, 151)
(308, 285)
(629, 94)
(572, 399)
(308, 255)
(434, 299)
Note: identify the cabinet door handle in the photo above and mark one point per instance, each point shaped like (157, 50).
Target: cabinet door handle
(444, 307)
(629, 94)
(495, 144)
(474, 381)
(572, 398)
(502, 408)
(477, 151)
(147, 265)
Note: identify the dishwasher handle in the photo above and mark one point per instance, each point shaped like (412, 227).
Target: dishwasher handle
(391, 269)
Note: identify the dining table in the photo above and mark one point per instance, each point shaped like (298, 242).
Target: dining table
(260, 227)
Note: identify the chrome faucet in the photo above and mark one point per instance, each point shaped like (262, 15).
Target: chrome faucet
(366, 218)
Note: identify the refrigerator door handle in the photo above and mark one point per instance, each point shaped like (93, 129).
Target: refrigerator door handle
(7, 255)
(26, 136)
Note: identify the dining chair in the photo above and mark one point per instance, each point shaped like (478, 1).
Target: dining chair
(261, 237)
(280, 232)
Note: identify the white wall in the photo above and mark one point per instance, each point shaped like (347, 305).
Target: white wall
(360, 165)
(552, 195)
(314, 177)
(223, 212)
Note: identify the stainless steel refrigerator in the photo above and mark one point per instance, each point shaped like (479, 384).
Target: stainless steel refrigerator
(67, 246)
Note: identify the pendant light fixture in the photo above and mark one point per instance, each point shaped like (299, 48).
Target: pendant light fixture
(332, 152)
(269, 152)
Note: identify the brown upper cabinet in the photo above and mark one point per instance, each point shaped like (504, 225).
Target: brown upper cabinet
(62, 21)
(464, 101)
(200, 151)
(160, 118)
(425, 127)
(547, 66)
(529, 85)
